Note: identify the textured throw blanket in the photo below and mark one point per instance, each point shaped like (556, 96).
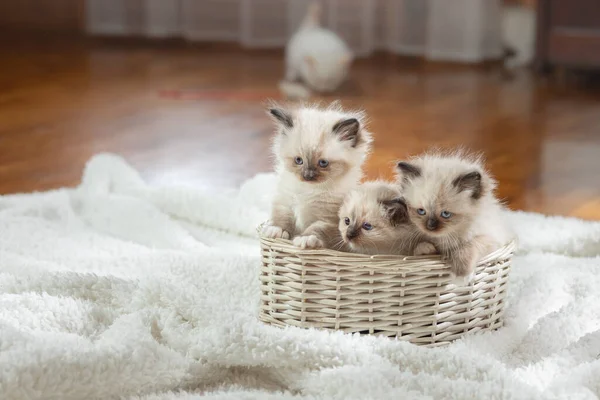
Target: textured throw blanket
(120, 290)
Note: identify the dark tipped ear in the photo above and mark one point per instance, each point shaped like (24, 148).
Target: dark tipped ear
(396, 210)
(348, 129)
(408, 170)
(471, 182)
(282, 116)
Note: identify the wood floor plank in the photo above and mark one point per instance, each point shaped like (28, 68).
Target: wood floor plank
(62, 101)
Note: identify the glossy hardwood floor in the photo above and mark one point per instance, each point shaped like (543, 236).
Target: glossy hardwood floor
(61, 101)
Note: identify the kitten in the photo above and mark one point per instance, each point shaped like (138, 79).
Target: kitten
(319, 155)
(451, 200)
(316, 56)
(373, 220)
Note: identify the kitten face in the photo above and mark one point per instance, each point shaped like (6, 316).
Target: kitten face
(373, 218)
(439, 212)
(319, 145)
(443, 193)
(315, 165)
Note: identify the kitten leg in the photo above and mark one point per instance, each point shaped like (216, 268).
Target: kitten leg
(282, 222)
(425, 249)
(308, 242)
(292, 87)
(314, 237)
(294, 90)
(464, 260)
(291, 74)
(462, 265)
(275, 232)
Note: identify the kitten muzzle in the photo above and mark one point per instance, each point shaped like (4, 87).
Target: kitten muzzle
(432, 224)
(310, 174)
(351, 233)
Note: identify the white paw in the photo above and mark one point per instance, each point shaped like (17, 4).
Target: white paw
(294, 90)
(425, 249)
(308, 242)
(275, 232)
(462, 280)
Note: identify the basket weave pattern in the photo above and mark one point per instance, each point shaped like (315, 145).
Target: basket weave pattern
(410, 298)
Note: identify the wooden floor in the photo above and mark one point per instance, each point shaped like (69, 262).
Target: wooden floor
(63, 101)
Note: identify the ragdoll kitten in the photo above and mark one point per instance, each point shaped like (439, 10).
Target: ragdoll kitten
(451, 200)
(319, 155)
(315, 56)
(374, 220)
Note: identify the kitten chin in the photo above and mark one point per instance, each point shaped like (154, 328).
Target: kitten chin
(319, 154)
(450, 199)
(373, 220)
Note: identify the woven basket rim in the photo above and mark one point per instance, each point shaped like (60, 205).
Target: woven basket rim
(354, 257)
(412, 298)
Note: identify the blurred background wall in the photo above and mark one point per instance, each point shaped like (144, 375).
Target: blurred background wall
(69, 15)
(457, 30)
(59, 16)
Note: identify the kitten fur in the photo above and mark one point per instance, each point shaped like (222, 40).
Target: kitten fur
(309, 195)
(380, 205)
(457, 183)
(316, 56)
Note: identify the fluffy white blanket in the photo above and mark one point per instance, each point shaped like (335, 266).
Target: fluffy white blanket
(118, 289)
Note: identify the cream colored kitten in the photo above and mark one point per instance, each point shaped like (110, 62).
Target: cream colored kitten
(316, 56)
(374, 220)
(319, 156)
(451, 200)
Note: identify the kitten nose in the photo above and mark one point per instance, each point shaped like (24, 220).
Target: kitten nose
(309, 174)
(432, 224)
(351, 233)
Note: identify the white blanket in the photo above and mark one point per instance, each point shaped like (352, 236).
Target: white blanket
(118, 289)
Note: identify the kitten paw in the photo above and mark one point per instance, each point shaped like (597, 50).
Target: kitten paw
(462, 280)
(425, 249)
(275, 232)
(308, 242)
(462, 265)
(462, 273)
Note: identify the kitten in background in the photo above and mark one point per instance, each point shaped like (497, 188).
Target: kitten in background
(319, 155)
(374, 220)
(316, 58)
(450, 199)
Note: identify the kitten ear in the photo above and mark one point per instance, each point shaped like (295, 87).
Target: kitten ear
(396, 210)
(471, 182)
(282, 117)
(311, 62)
(408, 171)
(348, 130)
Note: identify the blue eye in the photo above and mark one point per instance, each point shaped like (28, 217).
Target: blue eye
(347, 221)
(446, 214)
(298, 161)
(367, 226)
(421, 211)
(323, 163)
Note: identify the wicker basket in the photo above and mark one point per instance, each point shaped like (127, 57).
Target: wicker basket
(410, 298)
